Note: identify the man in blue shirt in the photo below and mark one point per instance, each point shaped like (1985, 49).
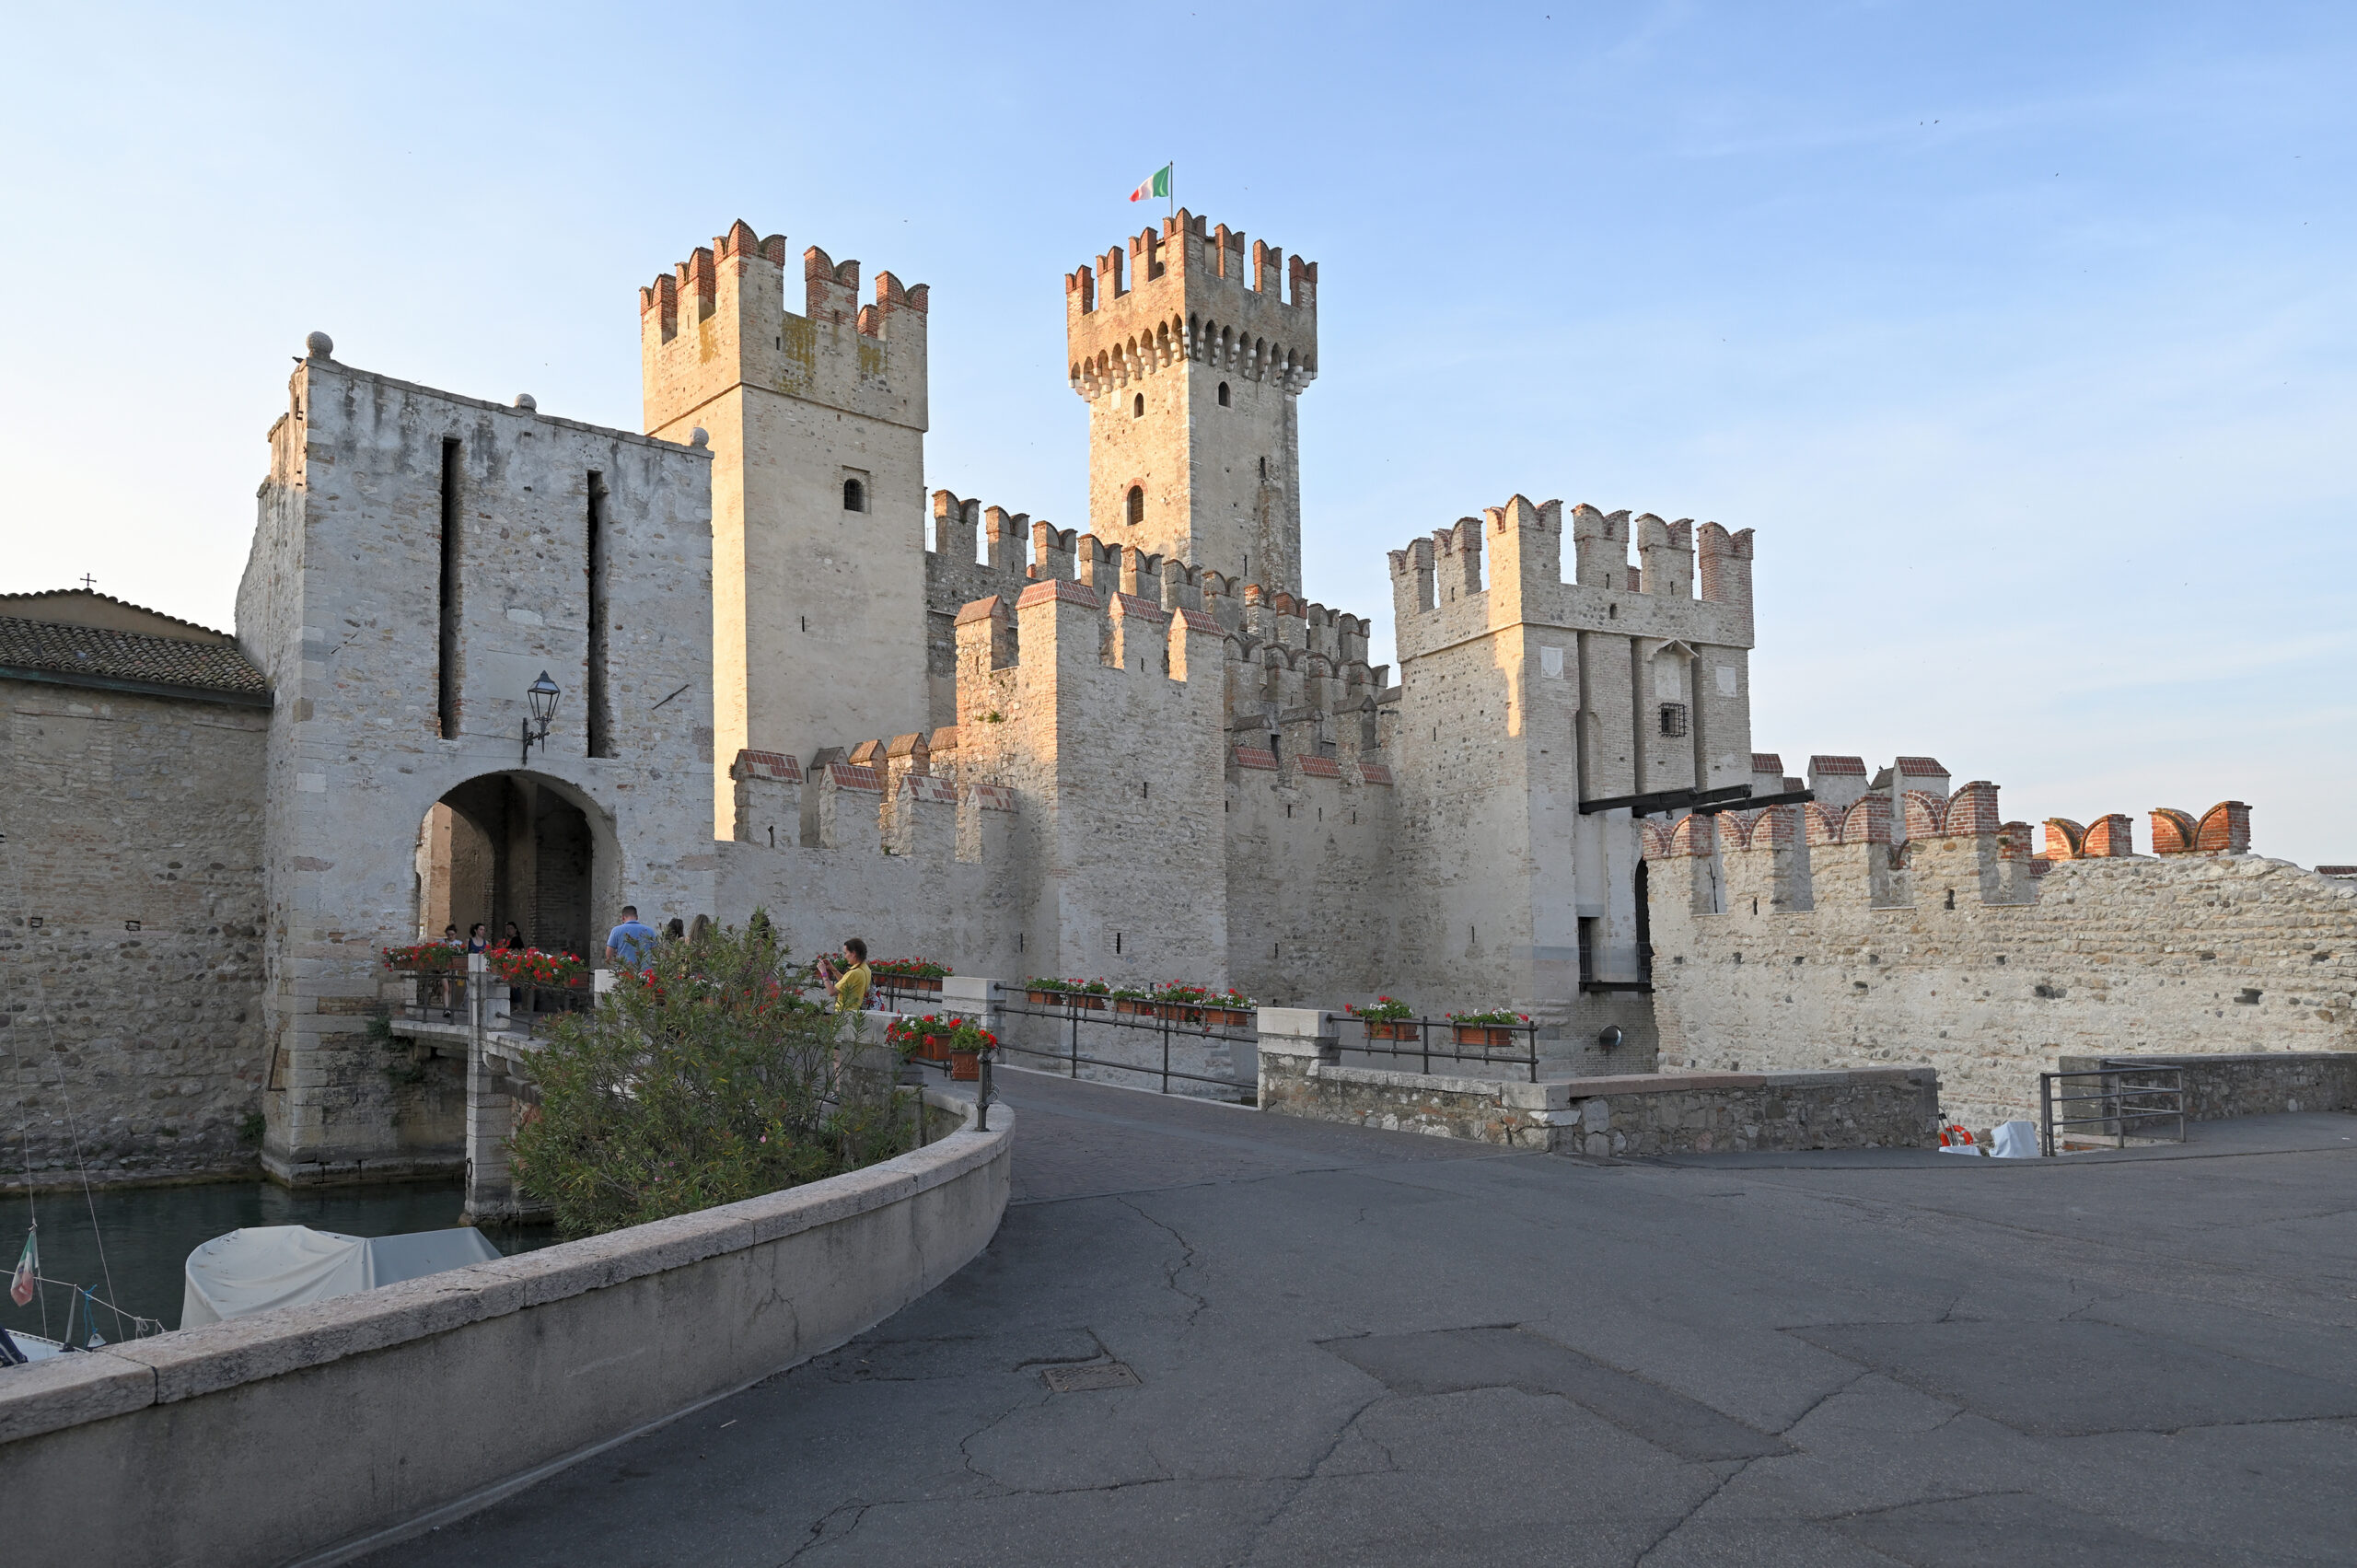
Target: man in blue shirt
(630, 943)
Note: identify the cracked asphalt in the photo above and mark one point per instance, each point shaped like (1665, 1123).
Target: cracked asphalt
(1365, 1348)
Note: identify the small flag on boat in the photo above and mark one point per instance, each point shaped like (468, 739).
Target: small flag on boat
(1157, 184)
(20, 1286)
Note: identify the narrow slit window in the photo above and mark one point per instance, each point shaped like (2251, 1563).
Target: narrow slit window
(1137, 504)
(1224, 399)
(446, 663)
(854, 497)
(599, 705)
(1137, 407)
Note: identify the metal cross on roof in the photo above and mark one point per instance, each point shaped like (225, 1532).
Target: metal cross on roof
(89, 581)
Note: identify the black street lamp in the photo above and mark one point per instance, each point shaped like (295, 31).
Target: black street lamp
(542, 695)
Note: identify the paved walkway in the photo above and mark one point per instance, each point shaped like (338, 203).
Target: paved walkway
(1362, 1348)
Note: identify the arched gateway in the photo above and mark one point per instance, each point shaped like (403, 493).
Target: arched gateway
(523, 848)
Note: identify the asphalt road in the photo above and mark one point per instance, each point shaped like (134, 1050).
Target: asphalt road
(1287, 1343)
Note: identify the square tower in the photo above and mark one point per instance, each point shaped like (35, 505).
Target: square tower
(817, 425)
(1189, 372)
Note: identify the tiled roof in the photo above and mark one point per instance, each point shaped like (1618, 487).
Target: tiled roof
(1854, 766)
(99, 655)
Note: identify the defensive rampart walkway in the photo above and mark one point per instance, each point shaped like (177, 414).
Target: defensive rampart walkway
(1209, 1336)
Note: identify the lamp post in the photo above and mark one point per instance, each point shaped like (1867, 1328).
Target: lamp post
(541, 695)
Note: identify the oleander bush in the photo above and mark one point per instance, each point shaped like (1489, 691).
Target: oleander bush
(703, 1078)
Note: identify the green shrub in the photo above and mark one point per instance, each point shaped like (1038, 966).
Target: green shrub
(703, 1079)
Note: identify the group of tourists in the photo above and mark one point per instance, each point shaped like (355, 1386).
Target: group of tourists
(478, 939)
(631, 944)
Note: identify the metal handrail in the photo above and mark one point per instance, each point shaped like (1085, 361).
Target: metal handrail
(2123, 1102)
(1454, 1049)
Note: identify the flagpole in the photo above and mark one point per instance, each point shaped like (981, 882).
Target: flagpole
(1174, 188)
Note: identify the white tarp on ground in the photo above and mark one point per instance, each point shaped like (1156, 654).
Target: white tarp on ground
(2015, 1140)
(260, 1267)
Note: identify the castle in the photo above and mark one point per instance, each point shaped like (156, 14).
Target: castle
(786, 678)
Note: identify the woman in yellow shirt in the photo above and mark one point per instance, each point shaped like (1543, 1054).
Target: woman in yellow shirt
(851, 983)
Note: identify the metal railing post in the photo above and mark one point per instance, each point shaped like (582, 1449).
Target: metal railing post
(2046, 1112)
(983, 1096)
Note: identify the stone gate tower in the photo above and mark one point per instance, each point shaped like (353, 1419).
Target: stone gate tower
(1190, 369)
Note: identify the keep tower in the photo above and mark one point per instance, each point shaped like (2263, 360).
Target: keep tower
(816, 427)
(1190, 368)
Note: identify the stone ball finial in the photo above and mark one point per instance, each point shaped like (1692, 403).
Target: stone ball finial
(321, 346)
(528, 402)
(699, 436)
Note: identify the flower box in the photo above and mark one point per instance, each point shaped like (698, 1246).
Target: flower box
(1178, 1013)
(1134, 1007)
(1484, 1035)
(1228, 1017)
(1093, 1004)
(1043, 998)
(966, 1066)
(1393, 1028)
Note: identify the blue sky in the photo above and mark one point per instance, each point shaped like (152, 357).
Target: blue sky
(2022, 334)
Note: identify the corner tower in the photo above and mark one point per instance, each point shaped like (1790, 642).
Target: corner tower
(1189, 369)
(818, 489)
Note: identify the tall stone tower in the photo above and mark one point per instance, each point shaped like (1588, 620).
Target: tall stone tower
(1189, 370)
(817, 425)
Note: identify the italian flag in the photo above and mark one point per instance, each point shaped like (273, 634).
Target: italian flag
(21, 1288)
(1156, 184)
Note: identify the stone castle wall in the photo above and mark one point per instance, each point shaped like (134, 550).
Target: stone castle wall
(1827, 956)
(144, 1045)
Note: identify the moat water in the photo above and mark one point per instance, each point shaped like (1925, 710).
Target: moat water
(149, 1231)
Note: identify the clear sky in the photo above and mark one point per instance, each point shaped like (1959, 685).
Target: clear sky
(2022, 333)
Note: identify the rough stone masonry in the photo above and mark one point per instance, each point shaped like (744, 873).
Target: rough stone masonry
(1133, 751)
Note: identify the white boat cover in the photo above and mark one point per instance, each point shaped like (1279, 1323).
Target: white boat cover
(260, 1267)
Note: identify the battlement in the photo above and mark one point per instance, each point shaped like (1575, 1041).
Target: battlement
(1181, 294)
(2225, 828)
(1960, 838)
(719, 318)
(1867, 854)
(1509, 562)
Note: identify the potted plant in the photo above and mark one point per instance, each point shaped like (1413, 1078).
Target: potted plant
(1493, 1027)
(532, 966)
(1133, 1001)
(1387, 1019)
(1180, 1003)
(923, 1038)
(937, 1037)
(425, 958)
(909, 974)
(966, 1049)
(1234, 1009)
(1092, 995)
(1041, 992)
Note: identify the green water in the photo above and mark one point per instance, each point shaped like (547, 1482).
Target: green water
(149, 1231)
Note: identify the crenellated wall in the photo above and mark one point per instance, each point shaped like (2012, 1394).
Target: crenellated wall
(1522, 697)
(1819, 937)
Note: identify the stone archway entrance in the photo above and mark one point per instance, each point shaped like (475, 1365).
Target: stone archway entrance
(509, 847)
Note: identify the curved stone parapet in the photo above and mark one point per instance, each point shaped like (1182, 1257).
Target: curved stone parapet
(266, 1438)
